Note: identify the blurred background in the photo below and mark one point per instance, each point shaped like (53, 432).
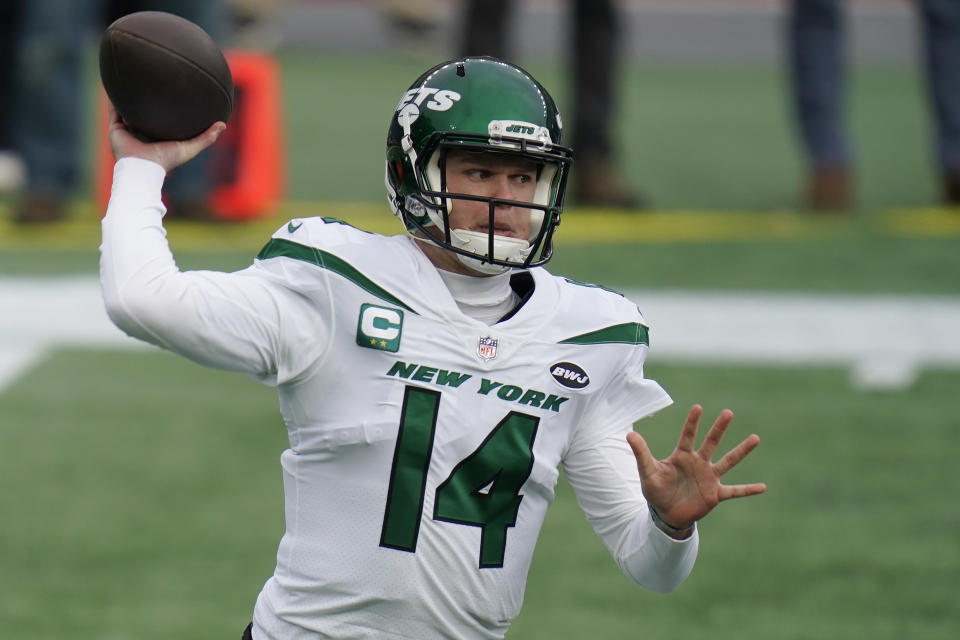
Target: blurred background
(785, 220)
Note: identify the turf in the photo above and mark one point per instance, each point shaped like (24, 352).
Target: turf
(142, 499)
(831, 551)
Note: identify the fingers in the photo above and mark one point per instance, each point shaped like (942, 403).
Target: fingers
(195, 145)
(715, 435)
(735, 455)
(114, 119)
(213, 131)
(688, 435)
(646, 464)
(208, 137)
(732, 459)
(741, 490)
(187, 149)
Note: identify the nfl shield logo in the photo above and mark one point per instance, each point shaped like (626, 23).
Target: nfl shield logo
(487, 348)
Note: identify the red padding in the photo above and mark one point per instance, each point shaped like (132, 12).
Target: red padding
(248, 167)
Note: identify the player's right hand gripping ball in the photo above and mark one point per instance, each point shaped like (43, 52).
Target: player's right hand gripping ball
(165, 75)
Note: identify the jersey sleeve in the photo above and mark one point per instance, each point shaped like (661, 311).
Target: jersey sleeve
(605, 479)
(626, 397)
(238, 321)
(601, 468)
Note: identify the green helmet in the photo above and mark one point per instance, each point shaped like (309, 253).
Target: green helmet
(484, 105)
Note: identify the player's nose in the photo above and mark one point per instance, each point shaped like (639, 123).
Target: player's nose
(503, 189)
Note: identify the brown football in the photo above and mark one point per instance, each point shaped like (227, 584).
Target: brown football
(165, 75)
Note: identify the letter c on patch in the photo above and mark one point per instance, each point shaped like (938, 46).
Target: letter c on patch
(381, 323)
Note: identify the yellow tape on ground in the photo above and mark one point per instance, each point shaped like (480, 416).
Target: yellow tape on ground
(922, 222)
(81, 229)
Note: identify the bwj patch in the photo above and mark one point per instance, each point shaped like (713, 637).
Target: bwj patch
(570, 375)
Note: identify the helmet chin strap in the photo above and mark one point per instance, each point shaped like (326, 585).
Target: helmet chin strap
(504, 248)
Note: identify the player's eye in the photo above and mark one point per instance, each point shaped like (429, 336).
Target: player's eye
(478, 174)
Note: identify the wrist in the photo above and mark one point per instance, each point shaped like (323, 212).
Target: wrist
(678, 533)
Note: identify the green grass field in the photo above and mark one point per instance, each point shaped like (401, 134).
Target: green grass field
(142, 500)
(141, 494)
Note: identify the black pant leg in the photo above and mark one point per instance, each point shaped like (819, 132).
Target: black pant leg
(485, 28)
(596, 40)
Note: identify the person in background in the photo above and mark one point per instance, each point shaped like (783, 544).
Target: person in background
(595, 31)
(11, 170)
(818, 81)
(52, 91)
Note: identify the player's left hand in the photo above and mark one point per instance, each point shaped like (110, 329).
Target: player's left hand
(686, 486)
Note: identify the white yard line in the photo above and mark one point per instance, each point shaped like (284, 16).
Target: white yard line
(40, 314)
(884, 339)
(14, 361)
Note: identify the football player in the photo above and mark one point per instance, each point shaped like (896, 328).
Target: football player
(432, 383)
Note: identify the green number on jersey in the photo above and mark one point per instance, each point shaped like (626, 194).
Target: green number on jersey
(483, 490)
(408, 476)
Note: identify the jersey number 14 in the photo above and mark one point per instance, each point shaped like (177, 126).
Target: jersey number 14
(483, 490)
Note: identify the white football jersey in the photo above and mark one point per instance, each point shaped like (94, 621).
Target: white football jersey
(424, 444)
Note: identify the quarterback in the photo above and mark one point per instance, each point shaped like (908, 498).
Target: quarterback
(432, 383)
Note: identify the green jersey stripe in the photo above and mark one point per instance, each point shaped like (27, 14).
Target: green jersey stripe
(280, 248)
(626, 333)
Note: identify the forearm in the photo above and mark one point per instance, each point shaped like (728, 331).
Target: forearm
(134, 255)
(654, 559)
(605, 479)
(213, 318)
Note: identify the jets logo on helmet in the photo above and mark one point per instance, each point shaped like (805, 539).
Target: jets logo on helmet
(507, 133)
(482, 105)
(439, 100)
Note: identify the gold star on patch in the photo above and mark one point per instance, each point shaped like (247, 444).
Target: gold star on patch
(373, 342)
(383, 343)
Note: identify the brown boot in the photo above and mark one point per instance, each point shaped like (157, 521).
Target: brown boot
(597, 184)
(830, 189)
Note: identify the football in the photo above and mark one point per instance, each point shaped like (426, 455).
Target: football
(165, 75)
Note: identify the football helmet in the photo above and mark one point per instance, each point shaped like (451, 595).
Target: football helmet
(485, 105)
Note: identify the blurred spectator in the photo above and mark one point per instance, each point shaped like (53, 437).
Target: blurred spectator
(11, 170)
(818, 80)
(412, 24)
(252, 24)
(49, 116)
(595, 32)
(416, 17)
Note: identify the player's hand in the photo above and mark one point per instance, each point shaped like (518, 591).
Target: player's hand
(686, 486)
(169, 154)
